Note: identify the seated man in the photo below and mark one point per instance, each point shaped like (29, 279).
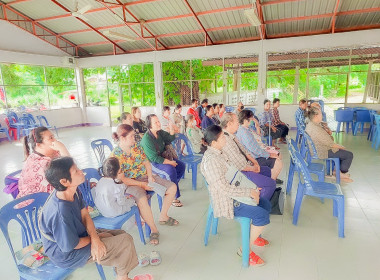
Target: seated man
(300, 115)
(322, 123)
(277, 121)
(242, 160)
(207, 119)
(68, 233)
(266, 118)
(246, 137)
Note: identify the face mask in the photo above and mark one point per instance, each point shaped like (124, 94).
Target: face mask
(252, 123)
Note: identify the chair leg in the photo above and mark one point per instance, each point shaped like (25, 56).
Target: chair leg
(194, 173)
(159, 199)
(356, 126)
(340, 202)
(245, 224)
(101, 272)
(290, 177)
(8, 136)
(139, 226)
(362, 128)
(335, 208)
(215, 223)
(147, 227)
(210, 217)
(297, 204)
(337, 128)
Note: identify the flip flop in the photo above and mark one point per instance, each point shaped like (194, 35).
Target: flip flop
(144, 259)
(261, 242)
(255, 260)
(154, 236)
(155, 258)
(143, 277)
(177, 203)
(169, 222)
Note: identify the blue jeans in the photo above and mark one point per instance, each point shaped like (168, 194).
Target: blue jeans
(175, 173)
(259, 214)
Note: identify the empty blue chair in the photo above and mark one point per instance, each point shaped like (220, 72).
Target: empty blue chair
(344, 115)
(99, 147)
(44, 122)
(27, 218)
(229, 109)
(6, 132)
(245, 224)
(31, 119)
(307, 186)
(312, 154)
(103, 222)
(191, 159)
(314, 168)
(15, 124)
(372, 125)
(28, 125)
(361, 116)
(376, 137)
(267, 139)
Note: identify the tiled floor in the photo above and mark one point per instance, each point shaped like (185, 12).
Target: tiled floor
(311, 250)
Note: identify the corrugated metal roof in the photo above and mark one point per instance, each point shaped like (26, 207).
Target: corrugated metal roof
(84, 38)
(159, 9)
(223, 19)
(348, 5)
(99, 49)
(357, 20)
(298, 26)
(183, 40)
(61, 25)
(201, 5)
(39, 9)
(239, 33)
(164, 27)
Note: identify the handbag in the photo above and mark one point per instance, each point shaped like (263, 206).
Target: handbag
(277, 201)
(238, 179)
(168, 153)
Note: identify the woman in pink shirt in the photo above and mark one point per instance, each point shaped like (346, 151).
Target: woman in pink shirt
(43, 148)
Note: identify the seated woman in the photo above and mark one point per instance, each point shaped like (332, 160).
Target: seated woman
(44, 148)
(110, 194)
(246, 136)
(265, 118)
(177, 118)
(325, 146)
(323, 124)
(216, 116)
(214, 169)
(69, 236)
(207, 119)
(138, 123)
(154, 144)
(126, 118)
(137, 172)
(195, 135)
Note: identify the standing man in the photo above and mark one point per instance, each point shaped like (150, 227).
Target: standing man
(193, 111)
(202, 108)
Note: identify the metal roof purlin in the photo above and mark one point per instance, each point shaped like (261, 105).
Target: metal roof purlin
(261, 17)
(34, 33)
(200, 23)
(279, 2)
(89, 25)
(334, 17)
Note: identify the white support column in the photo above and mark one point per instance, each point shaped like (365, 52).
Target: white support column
(158, 86)
(369, 79)
(81, 93)
(261, 86)
(296, 85)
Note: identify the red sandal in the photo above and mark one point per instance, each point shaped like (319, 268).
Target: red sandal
(255, 260)
(261, 242)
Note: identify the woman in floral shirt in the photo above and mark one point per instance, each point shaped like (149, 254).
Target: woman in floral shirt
(138, 174)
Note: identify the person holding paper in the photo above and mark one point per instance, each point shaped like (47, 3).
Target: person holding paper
(214, 168)
(138, 177)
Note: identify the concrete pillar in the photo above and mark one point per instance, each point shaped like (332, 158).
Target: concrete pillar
(81, 93)
(158, 86)
(261, 86)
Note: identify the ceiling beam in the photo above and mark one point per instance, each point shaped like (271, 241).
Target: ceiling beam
(90, 26)
(261, 17)
(334, 16)
(279, 2)
(207, 36)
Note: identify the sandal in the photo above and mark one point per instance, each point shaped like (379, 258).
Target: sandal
(177, 203)
(169, 222)
(155, 258)
(255, 260)
(144, 259)
(154, 237)
(261, 242)
(143, 277)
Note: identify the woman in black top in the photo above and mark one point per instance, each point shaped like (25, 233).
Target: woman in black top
(138, 123)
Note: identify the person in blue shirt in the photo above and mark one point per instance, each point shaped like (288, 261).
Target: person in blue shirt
(68, 233)
(300, 114)
(207, 119)
(201, 110)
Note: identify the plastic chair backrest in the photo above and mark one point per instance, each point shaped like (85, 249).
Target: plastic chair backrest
(306, 144)
(363, 116)
(98, 146)
(377, 122)
(31, 118)
(189, 147)
(85, 187)
(344, 115)
(26, 216)
(13, 115)
(43, 121)
(301, 167)
(360, 108)
(229, 109)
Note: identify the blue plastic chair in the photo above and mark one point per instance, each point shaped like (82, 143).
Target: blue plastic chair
(101, 221)
(28, 125)
(5, 130)
(44, 122)
(27, 218)
(310, 155)
(229, 109)
(344, 115)
(372, 125)
(99, 148)
(313, 167)
(361, 116)
(307, 186)
(191, 159)
(31, 119)
(15, 123)
(245, 224)
(267, 139)
(376, 137)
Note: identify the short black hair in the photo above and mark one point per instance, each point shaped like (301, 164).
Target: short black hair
(275, 100)
(166, 108)
(266, 101)
(221, 105)
(302, 101)
(193, 100)
(214, 105)
(178, 106)
(111, 167)
(149, 120)
(204, 101)
(58, 169)
(208, 108)
(245, 115)
(212, 133)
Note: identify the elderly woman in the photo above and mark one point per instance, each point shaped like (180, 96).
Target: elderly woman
(325, 146)
(266, 118)
(154, 143)
(44, 148)
(214, 168)
(195, 135)
(137, 176)
(178, 119)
